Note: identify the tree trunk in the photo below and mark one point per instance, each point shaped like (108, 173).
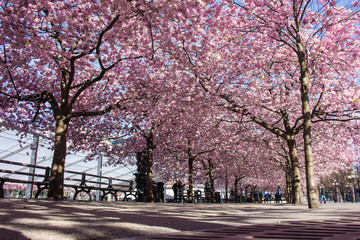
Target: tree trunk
(289, 137)
(56, 184)
(149, 194)
(253, 195)
(288, 177)
(306, 112)
(212, 185)
(226, 189)
(236, 189)
(295, 169)
(191, 179)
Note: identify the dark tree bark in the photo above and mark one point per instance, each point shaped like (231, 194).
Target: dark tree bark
(149, 194)
(226, 189)
(191, 177)
(212, 184)
(237, 179)
(56, 184)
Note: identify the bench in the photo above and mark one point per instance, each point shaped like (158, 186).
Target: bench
(80, 183)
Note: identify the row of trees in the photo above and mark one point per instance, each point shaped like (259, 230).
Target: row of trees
(251, 90)
(344, 183)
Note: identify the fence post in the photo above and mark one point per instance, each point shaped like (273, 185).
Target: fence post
(47, 175)
(99, 173)
(110, 183)
(83, 179)
(34, 151)
(2, 194)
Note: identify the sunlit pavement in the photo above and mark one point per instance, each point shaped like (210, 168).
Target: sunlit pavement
(340, 229)
(42, 219)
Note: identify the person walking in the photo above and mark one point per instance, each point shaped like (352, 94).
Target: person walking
(267, 197)
(322, 195)
(175, 189)
(278, 195)
(181, 190)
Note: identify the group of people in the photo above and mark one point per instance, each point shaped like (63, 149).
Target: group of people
(278, 196)
(178, 189)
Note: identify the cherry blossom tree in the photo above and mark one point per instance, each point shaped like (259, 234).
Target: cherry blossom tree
(225, 75)
(131, 70)
(200, 137)
(281, 160)
(154, 98)
(64, 60)
(321, 38)
(268, 52)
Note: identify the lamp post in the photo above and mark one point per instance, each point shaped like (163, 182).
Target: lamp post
(337, 197)
(353, 189)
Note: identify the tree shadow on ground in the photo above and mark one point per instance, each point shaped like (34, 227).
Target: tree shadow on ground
(8, 234)
(76, 220)
(42, 219)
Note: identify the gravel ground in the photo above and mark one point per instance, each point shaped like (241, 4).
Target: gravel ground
(77, 220)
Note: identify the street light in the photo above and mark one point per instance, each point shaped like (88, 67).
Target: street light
(336, 184)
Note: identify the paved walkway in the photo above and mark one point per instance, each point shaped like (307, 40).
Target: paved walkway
(41, 219)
